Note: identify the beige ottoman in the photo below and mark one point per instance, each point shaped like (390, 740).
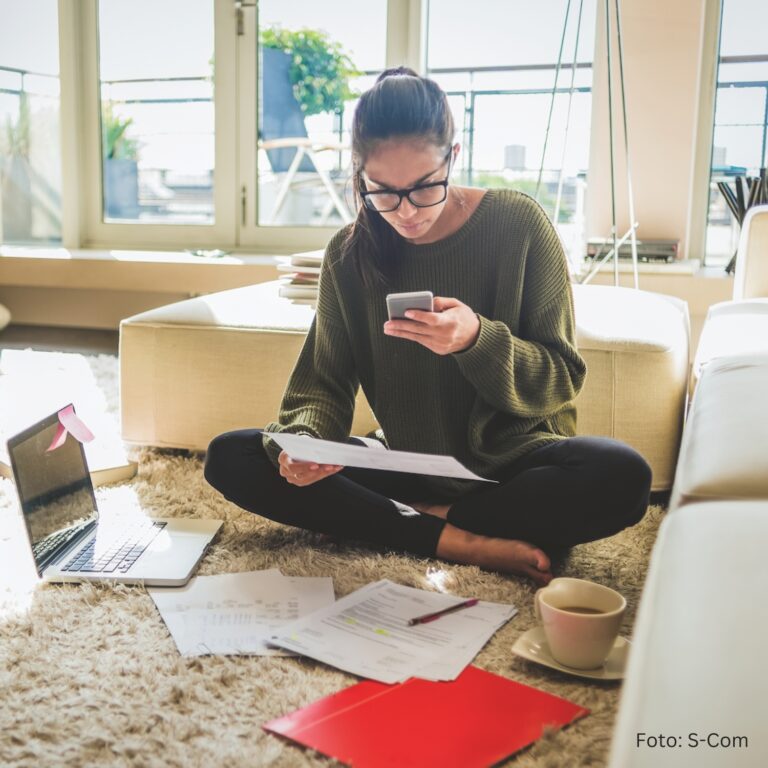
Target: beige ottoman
(723, 454)
(636, 346)
(194, 369)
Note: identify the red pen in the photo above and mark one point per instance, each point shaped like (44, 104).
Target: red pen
(437, 614)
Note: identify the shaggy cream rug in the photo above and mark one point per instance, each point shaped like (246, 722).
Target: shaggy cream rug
(90, 675)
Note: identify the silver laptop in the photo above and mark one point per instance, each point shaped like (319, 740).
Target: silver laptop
(70, 542)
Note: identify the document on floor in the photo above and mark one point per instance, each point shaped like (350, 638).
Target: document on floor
(237, 613)
(367, 633)
(306, 448)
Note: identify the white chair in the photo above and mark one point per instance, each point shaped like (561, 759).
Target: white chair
(307, 148)
(751, 278)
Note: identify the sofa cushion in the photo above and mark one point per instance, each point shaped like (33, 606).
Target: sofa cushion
(697, 663)
(724, 454)
(732, 328)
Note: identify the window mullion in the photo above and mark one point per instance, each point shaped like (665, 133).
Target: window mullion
(247, 145)
(407, 34)
(226, 197)
(71, 121)
(696, 236)
(90, 140)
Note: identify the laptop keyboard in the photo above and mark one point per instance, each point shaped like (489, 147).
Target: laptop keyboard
(120, 554)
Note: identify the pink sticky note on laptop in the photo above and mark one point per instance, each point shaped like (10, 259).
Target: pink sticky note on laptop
(69, 423)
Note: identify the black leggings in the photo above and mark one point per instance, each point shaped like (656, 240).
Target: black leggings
(576, 490)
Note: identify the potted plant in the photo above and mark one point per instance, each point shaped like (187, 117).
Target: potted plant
(303, 73)
(121, 170)
(319, 70)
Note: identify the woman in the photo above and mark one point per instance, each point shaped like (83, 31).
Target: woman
(488, 377)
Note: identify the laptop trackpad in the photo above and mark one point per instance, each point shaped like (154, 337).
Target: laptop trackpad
(176, 550)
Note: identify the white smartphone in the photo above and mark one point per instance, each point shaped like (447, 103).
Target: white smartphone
(398, 303)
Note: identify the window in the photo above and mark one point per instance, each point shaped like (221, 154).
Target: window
(169, 120)
(157, 111)
(195, 164)
(739, 144)
(30, 150)
(500, 81)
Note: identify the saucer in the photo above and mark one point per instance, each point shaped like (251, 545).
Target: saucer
(532, 645)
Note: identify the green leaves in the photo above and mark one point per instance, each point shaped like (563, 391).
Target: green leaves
(116, 145)
(320, 70)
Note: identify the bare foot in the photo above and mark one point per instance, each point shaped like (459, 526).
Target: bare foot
(438, 510)
(505, 555)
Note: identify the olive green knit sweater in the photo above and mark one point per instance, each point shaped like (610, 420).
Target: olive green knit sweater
(511, 392)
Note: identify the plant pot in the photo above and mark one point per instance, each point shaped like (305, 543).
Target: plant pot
(121, 189)
(281, 115)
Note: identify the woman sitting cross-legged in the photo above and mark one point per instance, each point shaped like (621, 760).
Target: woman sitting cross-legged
(489, 376)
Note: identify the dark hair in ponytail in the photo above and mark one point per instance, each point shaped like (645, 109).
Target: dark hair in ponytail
(401, 104)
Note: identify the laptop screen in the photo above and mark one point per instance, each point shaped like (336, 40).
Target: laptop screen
(54, 487)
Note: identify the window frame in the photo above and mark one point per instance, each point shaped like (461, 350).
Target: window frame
(705, 133)
(406, 43)
(236, 180)
(94, 232)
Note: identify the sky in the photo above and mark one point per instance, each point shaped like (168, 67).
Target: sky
(502, 34)
(745, 24)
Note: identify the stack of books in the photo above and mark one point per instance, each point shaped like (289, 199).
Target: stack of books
(300, 283)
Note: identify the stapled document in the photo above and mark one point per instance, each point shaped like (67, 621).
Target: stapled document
(367, 633)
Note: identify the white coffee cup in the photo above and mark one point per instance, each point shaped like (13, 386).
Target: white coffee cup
(581, 620)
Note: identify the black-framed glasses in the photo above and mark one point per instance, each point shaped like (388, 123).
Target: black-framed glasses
(420, 196)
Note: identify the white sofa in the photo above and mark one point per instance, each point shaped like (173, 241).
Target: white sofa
(697, 668)
(194, 369)
(698, 663)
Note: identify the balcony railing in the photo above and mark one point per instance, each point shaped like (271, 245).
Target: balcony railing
(159, 197)
(30, 196)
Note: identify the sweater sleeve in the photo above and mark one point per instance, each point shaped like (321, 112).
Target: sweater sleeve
(319, 398)
(537, 372)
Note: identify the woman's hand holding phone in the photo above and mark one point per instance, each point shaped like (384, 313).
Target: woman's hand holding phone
(303, 473)
(452, 327)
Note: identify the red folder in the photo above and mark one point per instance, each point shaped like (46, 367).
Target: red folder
(473, 721)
